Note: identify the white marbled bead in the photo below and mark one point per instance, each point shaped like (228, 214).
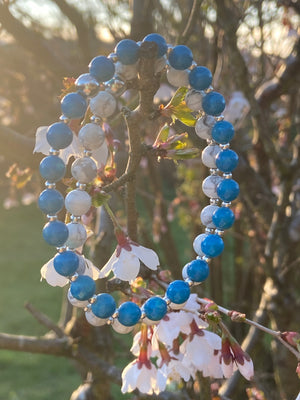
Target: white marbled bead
(206, 216)
(75, 302)
(197, 243)
(160, 64)
(120, 328)
(193, 100)
(77, 235)
(178, 78)
(78, 202)
(126, 72)
(209, 155)
(91, 136)
(209, 185)
(103, 105)
(84, 170)
(203, 127)
(176, 306)
(93, 319)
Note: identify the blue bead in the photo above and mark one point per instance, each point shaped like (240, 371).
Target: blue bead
(222, 132)
(155, 308)
(129, 313)
(178, 292)
(227, 160)
(181, 57)
(104, 306)
(51, 201)
(160, 41)
(102, 68)
(52, 168)
(59, 135)
(66, 263)
(212, 246)
(223, 218)
(55, 233)
(200, 78)
(83, 288)
(198, 270)
(73, 105)
(213, 103)
(228, 190)
(127, 51)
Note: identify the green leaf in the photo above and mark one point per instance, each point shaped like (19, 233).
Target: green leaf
(162, 135)
(184, 114)
(178, 97)
(184, 154)
(99, 198)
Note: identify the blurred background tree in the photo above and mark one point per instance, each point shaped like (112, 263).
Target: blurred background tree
(253, 50)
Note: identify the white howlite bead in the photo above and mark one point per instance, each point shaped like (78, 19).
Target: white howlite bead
(209, 155)
(93, 319)
(178, 78)
(75, 302)
(78, 202)
(160, 64)
(175, 306)
(206, 216)
(209, 185)
(126, 72)
(77, 235)
(184, 272)
(150, 322)
(91, 136)
(193, 100)
(197, 243)
(103, 105)
(120, 328)
(203, 127)
(84, 170)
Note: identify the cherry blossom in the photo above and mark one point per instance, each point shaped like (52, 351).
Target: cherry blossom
(140, 376)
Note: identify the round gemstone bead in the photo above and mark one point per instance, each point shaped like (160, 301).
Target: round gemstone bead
(103, 105)
(184, 272)
(209, 154)
(160, 41)
(228, 190)
(73, 105)
(223, 218)
(59, 135)
(222, 132)
(178, 78)
(91, 136)
(129, 313)
(127, 51)
(155, 308)
(84, 169)
(126, 72)
(197, 243)
(120, 328)
(77, 235)
(102, 68)
(193, 100)
(200, 78)
(210, 184)
(206, 216)
(212, 246)
(227, 160)
(76, 302)
(52, 168)
(66, 263)
(198, 270)
(87, 84)
(51, 201)
(213, 103)
(178, 292)
(78, 202)
(104, 306)
(203, 127)
(93, 320)
(83, 288)
(181, 57)
(55, 233)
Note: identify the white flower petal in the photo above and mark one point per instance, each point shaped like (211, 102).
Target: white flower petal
(129, 377)
(91, 270)
(127, 266)
(146, 379)
(41, 144)
(227, 369)
(213, 340)
(108, 266)
(247, 369)
(73, 150)
(147, 256)
(100, 155)
(51, 276)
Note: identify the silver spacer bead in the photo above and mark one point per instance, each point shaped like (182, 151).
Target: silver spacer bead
(96, 120)
(110, 321)
(61, 249)
(219, 118)
(52, 218)
(87, 308)
(213, 171)
(81, 186)
(113, 57)
(226, 204)
(115, 314)
(93, 299)
(167, 300)
(209, 89)
(219, 232)
(75, 218)
(214, 201)
(74, 277)
(87, 153)
(204, 258)
(50, 185)
(210, 142)
(225, 146)
(143, 316)
(194, 65)
(209, 230)
(227, 175)
(64, 119)
(189, 281)
(53, 152)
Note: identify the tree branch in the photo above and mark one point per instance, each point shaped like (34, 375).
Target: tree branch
(190, 26)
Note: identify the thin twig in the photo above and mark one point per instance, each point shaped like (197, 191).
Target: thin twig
(44, 320)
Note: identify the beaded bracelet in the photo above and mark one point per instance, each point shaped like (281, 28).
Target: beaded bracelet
(105, 82)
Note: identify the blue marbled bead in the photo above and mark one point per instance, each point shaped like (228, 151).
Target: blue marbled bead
(228, 190)
(73, 105)
(66, 263)
(59, 135)
(52, 168)
(213, 103)
(227, 160)
(155, 308)
(127, 51)
(198, 270)
(223, 218)
(212, 246)
(222, 132)
(200, 78)
(55, 233)
(181, 57)
(51, 201)
(129, 313)
(178, 292)
(160, 41)
(83, 288)
(102, 68)
(104, 306)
